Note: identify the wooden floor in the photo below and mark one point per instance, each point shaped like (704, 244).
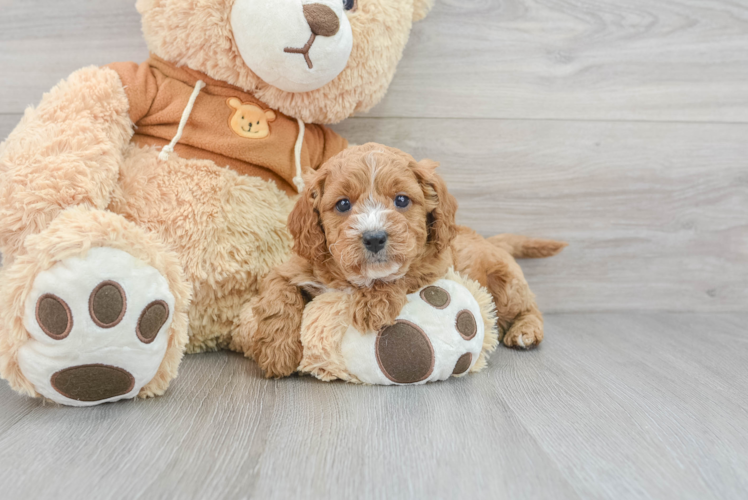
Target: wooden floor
(613, 406)
(620, 126)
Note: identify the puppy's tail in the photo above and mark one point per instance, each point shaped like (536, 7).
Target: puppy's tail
(522, 247)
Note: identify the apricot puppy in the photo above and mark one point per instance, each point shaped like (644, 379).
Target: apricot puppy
(379, 225)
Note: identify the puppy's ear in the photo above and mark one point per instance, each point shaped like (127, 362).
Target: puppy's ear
(441, 206)
(304, 222)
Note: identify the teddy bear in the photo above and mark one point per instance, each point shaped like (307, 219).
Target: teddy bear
(141, 204)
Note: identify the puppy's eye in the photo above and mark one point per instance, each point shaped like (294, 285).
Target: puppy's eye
(349, 4)
(402, 201)
(343, 206)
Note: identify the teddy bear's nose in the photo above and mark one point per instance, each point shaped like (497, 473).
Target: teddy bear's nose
(322, 19)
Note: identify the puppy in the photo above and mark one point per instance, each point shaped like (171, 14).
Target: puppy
(376, 223)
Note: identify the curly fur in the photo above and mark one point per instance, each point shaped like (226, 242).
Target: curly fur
(326, 320)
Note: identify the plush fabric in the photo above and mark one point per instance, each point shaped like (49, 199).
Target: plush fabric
(73, 235)
(199, 35)
(65, 152)
(158, 93)
(319, 33)
(192, 182)
(91, 343)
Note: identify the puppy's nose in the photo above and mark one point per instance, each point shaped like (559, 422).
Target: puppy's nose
(375, 242)
(322, 19)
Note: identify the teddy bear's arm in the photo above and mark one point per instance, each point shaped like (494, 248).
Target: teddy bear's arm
(65, 152)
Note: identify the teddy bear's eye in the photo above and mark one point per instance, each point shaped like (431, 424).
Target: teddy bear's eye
(242, 117)
(349, 4)
(258, 122)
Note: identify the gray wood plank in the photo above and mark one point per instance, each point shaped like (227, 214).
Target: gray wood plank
(43, 41)
(664, 60)
(682, 60)
(612, 406)
(656, 214)
(179, 446)
(654, 389)
(453, 440)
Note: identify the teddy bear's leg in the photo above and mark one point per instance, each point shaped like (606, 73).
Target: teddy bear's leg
(94, 311)
(65, 152)
(493, 267)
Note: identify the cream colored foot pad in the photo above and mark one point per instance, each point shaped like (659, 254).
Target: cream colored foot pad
(439, 334)
(98, 326)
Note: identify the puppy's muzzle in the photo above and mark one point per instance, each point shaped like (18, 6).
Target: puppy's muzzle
(375, 241)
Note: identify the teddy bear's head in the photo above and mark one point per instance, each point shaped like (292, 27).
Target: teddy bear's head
(317, 60)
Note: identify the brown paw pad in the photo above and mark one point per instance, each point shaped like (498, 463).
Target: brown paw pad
(107, 304)
(405, 353)
(436, 296)
(54, 316)
(463, 364)
(466, 325)
(90, 383)
(154, 316)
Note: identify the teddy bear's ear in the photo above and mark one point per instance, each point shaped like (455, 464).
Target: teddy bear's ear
(235, 103)
(421, 8)
(270, 115)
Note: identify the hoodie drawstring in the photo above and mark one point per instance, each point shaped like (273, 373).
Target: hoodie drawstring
(164, 155)
(299, 179)
(167, 150)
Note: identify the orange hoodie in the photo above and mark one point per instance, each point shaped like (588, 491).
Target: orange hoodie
(227, 125)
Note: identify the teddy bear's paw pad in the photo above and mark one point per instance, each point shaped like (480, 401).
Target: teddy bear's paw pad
(436, 296)
(98, 327)
(405, 353)
(463, 364)
(439, 334)
(89, 383)
(107, 304)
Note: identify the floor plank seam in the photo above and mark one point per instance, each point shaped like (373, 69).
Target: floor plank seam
(550, 119)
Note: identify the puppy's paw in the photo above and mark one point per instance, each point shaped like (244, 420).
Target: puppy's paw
(367, 323)
(150, 392)
(276, 366)
(279, 358)
(524, 334)
(374, 310)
